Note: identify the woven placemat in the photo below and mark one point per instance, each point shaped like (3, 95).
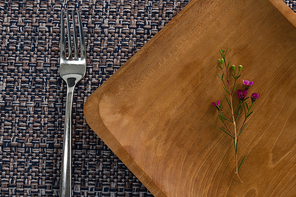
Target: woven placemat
(291, 4)
(32, 94)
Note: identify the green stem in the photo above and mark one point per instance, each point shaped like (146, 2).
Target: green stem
(234, 127)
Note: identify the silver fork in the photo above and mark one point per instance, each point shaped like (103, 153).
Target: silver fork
(72, 70)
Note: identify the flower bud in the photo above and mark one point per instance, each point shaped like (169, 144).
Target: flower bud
(233, 67)
(240, 67)
(220, 61)
(217, 105)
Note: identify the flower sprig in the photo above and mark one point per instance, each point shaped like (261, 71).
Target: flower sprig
(229, 78)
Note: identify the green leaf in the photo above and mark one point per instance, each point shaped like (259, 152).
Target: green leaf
(239, 106)
(238, 76)
(227, 101)
(242, 129)
(221, 118)
(219, 76)
(222, 76)
(227, 119)
(235, 146)
(247, 105)
(222, 53)
(249, 114)
(242, 162)
(228, 64)
(226, 51)
(238, 114)
(226, 132)
(245, 109)
(225, 89)
(234, 88)
(251, 107)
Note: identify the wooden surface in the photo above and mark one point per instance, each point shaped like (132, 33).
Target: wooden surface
(155, 111)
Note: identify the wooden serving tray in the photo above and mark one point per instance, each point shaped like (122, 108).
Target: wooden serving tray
(155, 111)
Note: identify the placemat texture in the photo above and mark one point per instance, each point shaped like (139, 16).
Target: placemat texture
(291, 4)
(32, 94)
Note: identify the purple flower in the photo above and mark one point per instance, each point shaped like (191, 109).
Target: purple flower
(247, 83)
(216, 104)
(255, 96)
(242, 93)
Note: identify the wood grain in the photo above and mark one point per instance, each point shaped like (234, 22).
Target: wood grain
(155, 111)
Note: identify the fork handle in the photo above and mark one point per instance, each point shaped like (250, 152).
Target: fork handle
(66, 171)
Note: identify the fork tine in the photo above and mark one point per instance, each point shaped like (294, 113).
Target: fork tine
(62, 37)
(82, 43)
(75, 37)
(69, 35)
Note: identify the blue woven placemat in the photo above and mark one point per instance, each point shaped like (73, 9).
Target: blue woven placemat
(291, 4)
(32, 94)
